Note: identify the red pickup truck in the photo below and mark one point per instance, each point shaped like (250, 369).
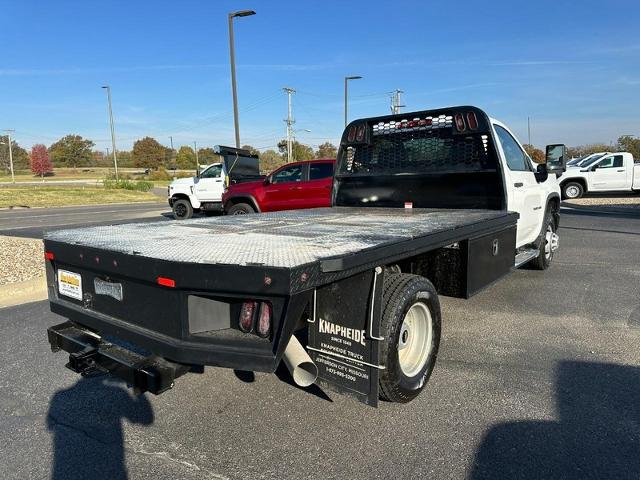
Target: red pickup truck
(293, 186)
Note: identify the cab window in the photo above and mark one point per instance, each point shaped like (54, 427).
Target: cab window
(614, 161)
(517, 159)
(288, 174)
(212, 172)
(318, 171)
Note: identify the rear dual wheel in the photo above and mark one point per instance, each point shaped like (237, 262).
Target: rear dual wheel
(410, 325)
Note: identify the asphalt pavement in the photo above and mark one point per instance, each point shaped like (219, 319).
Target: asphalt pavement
(23, 222)
(538, 376)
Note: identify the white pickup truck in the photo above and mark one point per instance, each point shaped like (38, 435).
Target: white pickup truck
(204, 192)
(614, 172)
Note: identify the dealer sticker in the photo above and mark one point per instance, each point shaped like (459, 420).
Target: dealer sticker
(70, 284)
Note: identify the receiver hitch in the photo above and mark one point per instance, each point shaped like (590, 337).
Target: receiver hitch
(89, 353)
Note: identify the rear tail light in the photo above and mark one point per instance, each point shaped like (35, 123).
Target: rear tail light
(264, 320)
(460, 125)
(49, 255)
(246, 315)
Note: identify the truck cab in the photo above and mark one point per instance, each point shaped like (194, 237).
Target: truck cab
(613, 172)
(203, 192)
(531, 191)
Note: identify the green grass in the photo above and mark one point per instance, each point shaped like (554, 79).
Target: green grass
(61, 196)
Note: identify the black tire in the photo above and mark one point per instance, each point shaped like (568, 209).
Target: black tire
(572, 190)
(241, 209)
(182, 209)
(545, 257)
(400, 293)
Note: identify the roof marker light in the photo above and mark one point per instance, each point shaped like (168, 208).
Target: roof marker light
(166, 282)
(472, 120)
(460, 125)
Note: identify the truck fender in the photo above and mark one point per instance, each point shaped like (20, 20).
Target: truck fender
(195, 203)
(581, 180)
(551, 205)
(241, 198)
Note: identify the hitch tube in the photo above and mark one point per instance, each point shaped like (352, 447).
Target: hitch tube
(303, 370)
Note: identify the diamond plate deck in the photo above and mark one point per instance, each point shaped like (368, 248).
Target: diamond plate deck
(281, 239)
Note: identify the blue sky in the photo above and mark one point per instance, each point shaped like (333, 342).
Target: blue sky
(572, 66)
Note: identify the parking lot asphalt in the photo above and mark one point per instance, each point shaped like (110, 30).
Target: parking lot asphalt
(538, 376)
(33, 222)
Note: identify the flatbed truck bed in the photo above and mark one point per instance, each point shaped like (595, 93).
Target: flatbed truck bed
(346, 296)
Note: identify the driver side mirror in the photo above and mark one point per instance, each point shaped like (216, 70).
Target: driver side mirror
(594, 168)
(556, 159)
(267, 181)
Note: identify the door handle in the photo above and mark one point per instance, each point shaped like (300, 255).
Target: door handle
(621, 170)
(518, 184)
(295, 188)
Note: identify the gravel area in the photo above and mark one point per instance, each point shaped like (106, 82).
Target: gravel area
(630, 201)
(20, 259)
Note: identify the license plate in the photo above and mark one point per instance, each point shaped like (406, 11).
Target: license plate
(70, 284)
(111, 289)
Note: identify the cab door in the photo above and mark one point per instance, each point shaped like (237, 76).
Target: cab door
(524, 195)
(284, 190)
(209, 186)
(317, 189)
(610, 174)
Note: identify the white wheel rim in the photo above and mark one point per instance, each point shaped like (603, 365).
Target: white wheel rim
(548, 238)
(572, 192)
(414, 344)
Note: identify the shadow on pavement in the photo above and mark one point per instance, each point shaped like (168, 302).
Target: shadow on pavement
(597, 434)
(86, 422)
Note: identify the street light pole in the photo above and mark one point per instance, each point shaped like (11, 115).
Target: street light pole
(195, 149)
(232, 54)
(346, 95)
(113, 133)
(9, 132)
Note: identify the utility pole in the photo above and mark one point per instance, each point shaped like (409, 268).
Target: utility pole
(529, 129)
(346, 96)
(289, 121)
(395, 101)
(9, 132)
(113, 134)
(195, 149)
(173, 160)
(232, 55)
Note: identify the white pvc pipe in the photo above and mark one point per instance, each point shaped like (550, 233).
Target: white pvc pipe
(299, 363)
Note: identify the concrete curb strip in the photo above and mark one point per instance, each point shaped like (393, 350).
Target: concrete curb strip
(23, 292)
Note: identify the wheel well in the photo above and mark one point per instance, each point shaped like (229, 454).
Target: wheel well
(180, 196)
(581, 181)
(236, 200)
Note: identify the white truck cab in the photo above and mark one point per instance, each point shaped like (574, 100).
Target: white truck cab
(531, 191)
(613, 172)
(204, 192)
(187, 195)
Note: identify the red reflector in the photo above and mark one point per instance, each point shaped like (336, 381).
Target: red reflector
(49, 255)
(472, 121)
(246, 316)
(264, 320)
(166, 282)
(460, 126)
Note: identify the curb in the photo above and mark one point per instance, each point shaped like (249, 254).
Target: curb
(23, 292)
(631, 211)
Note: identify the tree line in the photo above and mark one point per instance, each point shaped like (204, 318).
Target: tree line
(74, 151)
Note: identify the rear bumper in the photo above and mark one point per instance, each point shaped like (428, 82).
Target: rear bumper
(186, 351)
(90, 353)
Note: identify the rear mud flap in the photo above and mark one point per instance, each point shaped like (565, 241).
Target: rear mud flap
(344, 338)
